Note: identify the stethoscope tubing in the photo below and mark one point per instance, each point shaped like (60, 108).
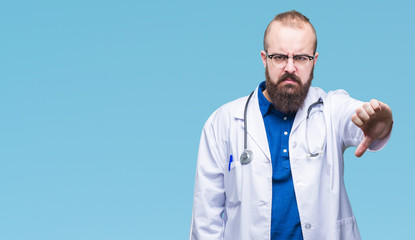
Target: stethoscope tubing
(246, 156)
(246, 122)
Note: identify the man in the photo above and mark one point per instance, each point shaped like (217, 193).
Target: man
(283, 177)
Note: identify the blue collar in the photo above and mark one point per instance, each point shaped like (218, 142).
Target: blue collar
(264, 104)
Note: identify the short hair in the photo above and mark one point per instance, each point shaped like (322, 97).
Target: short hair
(292, 19)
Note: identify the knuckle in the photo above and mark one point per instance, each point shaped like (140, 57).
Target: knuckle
(366, 105)
(356, 120)
(375, 104)
(371, 113)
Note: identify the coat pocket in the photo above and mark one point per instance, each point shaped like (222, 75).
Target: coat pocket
(347, 229)
(233, 184)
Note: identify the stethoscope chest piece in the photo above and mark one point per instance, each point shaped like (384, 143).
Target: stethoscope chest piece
(246, 157)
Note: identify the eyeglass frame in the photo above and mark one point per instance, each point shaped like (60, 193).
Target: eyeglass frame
(288, 57)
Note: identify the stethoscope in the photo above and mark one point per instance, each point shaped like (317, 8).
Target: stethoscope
(247, 155)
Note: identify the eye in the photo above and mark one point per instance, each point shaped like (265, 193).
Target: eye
(280, 57)
(300, 58)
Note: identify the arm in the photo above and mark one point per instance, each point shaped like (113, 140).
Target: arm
(375, 120)
(209, 192)
(345, 110)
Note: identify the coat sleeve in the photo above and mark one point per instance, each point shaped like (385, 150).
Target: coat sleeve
(350, 134)
(209, 193)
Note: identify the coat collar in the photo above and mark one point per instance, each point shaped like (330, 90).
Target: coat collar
(313, 95)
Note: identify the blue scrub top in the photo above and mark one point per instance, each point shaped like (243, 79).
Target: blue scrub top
(285, 220)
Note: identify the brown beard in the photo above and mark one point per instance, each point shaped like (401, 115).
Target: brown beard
(284, 100)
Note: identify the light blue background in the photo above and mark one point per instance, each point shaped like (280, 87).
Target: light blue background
(102, 104)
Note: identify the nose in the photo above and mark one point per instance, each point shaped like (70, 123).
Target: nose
(290, 67)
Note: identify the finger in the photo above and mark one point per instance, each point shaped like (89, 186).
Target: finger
(369, 109)
(362, 114)
(385, 107)
(376, 105)
(363, 146)
(357, 121)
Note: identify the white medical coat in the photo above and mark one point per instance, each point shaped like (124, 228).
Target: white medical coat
(236, 203)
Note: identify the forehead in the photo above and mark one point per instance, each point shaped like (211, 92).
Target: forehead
(289, 39)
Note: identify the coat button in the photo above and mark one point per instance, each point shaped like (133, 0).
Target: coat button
(307, 226)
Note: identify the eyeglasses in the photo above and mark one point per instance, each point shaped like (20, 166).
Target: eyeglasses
(280, 61)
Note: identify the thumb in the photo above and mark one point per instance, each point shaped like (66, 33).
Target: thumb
(363, 146)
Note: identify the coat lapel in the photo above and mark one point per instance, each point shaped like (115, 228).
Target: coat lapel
(255, 124)
(300, 116)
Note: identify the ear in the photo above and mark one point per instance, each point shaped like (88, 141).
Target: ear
(315, 58)
(264, 58)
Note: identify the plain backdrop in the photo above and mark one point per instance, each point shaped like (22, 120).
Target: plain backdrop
(102, 104)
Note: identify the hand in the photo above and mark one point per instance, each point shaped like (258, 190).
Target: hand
(375, 119)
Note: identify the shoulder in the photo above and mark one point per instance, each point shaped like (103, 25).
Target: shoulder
(228, 111)
(341, 98)
(331, 95)
(336, 97)
(337, 102)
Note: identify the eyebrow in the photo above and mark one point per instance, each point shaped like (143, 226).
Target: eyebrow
(300, 54)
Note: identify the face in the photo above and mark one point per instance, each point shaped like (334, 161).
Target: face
(288, 86)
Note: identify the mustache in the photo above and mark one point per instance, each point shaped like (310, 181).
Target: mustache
(289, 76)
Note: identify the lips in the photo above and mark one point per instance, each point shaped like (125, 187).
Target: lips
(289, 79)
